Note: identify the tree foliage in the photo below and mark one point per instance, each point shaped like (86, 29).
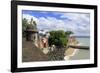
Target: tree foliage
(59, 38)
(69, 32)
(24, 23)
(24, 26)
(28, 25)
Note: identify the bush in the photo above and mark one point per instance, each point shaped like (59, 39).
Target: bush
(58, 38)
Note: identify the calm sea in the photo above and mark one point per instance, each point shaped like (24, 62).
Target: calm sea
(82, 54)
(84, 41)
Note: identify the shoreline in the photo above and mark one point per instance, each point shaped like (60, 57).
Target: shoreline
(70, 52)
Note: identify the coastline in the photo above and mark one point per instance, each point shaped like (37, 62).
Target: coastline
(70, 52)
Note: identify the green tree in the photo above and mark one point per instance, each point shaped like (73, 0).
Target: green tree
(58, 38)
(28, 25)
(32, 25)
(69, 32)
(24, 25)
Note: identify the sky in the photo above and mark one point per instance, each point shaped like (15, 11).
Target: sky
(79, 23)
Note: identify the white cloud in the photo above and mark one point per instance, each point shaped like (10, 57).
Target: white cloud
(78, 23)
(28, 17)
(51, 23)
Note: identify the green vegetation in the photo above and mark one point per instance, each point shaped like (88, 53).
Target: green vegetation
(59, 38)
(28, 25)
(68, 32)
(24, 23)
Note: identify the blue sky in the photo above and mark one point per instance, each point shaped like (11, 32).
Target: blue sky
(79, 23)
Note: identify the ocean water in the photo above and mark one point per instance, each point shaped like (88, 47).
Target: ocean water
(82, 54)
(84, 41)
